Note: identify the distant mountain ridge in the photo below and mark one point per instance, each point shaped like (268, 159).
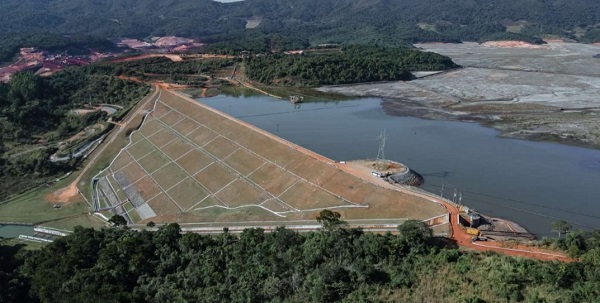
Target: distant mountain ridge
(386, 22)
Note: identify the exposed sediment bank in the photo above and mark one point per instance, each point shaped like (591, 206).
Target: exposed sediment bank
(548, 93)
(551, 96)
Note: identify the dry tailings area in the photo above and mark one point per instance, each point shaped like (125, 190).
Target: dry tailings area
(547, 93)
(190, 163)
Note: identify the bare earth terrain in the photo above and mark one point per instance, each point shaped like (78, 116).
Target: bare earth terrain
(546, 93)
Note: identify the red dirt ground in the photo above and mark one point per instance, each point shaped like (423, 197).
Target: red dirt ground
(554, 40)
(65, 195)
(174, 58)
(134, 79)
(71, 193)
(463, 239)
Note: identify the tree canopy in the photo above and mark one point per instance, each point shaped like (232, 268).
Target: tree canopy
(117, 220)
(331, 220)
(36, 112)
(382, 22)
(353, 64)
(561, 227)
(341, 265)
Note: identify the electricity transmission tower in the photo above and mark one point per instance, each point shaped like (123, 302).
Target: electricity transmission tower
(381, 163)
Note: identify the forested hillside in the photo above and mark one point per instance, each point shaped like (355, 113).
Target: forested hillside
(351, 64)
(35, 112)
(385, 22)
(332, 265)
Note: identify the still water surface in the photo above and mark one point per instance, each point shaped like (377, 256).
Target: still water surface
(13, 231)
(531, 183)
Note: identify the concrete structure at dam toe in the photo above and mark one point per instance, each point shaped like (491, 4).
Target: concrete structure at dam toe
(409, 177)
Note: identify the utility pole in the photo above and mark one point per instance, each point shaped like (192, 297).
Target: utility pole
(454, 197)
(380, 163)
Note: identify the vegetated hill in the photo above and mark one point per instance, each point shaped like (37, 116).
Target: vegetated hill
(332, 265)
(351, 64)
(34, 109)
(385, 22)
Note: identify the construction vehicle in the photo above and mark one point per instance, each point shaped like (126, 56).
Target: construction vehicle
(475, 239)
(473, 231)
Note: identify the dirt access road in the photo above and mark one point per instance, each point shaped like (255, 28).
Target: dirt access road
(457, 232)
(172, 57)
(463, 239)
(71, 192)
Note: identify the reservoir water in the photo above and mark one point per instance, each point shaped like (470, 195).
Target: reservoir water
(13, 231)
(531, 183)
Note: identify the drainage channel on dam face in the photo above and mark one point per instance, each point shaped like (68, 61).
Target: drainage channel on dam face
(531, 183)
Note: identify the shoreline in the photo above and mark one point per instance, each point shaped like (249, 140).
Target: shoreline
(537, 227)
(496, 228)
(525, 121)
(501, 127)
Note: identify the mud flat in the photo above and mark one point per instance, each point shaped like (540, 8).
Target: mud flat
(557, 58)
(548, 93)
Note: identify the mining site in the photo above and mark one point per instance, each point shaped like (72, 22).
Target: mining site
(547, 92)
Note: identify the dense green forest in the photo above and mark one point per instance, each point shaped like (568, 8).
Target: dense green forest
(253, 41)
(353, 64)
(35, 111)
(331, 265)
(384, 22)
(591, 36)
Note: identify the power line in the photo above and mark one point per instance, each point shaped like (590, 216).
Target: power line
(534, 213)
(380, 163)
(521, 202)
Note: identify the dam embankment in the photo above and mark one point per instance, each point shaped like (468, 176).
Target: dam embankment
(191, 163)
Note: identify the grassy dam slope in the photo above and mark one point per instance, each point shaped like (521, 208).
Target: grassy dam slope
(189, 163)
